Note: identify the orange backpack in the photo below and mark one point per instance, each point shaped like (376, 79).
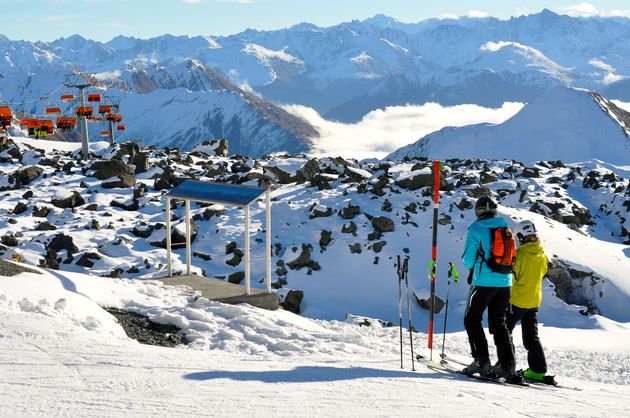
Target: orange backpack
(503, 250)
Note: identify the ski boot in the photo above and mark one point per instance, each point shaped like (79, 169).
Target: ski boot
(508, 372)
(539, 377)
(480, 366)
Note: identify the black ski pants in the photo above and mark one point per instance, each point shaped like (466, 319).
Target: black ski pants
(497, 301)
(529, 327)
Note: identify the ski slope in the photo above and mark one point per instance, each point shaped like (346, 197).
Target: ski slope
(62, 355)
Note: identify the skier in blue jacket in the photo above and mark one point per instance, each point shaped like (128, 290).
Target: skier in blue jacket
(489, 290)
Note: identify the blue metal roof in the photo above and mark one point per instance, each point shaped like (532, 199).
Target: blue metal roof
(208, 191)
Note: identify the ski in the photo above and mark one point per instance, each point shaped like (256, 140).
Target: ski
(444, 366)
(446, 359)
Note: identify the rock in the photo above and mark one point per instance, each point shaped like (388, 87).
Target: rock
(72, 201)
(591, 180)
(464, 204)
(203, 256)
(319, 211)
(485, 178)
(325, 238)
(444, 219)
(237, 277)
(230, 247)
(412, 207)
(530, 172)
(141, 161)
(281, 176)
(303, 260)
(27, 195)
(133, 206)
(383, 224)
(378, 246)
(106, 169)
(212, 212)
(87, 259)
(41, 212)
(350, 229)
(426, 303)
(26, 175)
(62, 242)
(477, 192)
(350, 211)
(292, 301)
(129, 148)
(123, 181)
(140, 191)
(45, 226)
(374, 235)
(178, 239)
(234, 261)
(355, 248)
(143, 230)
(308, 171)
(417, 181)
(20, 208)
(9, 240)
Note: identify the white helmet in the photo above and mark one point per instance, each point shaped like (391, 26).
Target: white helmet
(524, 229)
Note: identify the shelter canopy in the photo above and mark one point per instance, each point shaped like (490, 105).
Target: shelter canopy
(203, 191)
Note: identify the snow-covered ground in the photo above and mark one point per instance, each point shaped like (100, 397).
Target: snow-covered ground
(62, 355)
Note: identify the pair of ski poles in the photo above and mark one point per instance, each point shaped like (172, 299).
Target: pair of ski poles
(403, 270)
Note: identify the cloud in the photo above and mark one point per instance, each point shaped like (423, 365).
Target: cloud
(385, 130)
(448, 16)
(585, 9)
(476, 14)
(611, 73)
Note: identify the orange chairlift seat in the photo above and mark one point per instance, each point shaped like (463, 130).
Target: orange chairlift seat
(121, 127)
(5, 116)
(104, 109)
(53, 111)
(47, 124)
(104, 134)
(95, 119)
(113, 117)
(94, 97)
(67, 97)
(86, 111)
(66, 124)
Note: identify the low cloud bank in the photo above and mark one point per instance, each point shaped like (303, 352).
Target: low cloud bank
(385, 130)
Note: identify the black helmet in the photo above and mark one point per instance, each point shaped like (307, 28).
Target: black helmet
(485, 207)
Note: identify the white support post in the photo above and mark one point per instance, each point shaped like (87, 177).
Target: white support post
(187, 236)
(247, 270)
(168, 236)
(268, 240)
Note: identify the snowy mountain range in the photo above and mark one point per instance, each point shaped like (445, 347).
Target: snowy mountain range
(563, 124)
(342, 71)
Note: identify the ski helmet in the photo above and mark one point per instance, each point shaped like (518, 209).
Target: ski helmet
(524, 229)
(485, 207)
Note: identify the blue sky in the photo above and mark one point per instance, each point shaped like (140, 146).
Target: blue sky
(104, 19)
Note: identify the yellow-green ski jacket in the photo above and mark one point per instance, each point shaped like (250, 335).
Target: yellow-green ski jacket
(530, 267)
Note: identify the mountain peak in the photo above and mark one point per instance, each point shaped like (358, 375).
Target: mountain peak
(381, 20)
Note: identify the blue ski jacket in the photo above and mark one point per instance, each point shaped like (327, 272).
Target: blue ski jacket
(478, 242)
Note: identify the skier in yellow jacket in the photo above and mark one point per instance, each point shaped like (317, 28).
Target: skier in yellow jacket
(529, 270)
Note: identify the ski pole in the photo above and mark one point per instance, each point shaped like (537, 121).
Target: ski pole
(436, 204)
(452, 272)
(399, 272)
(406, 274)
